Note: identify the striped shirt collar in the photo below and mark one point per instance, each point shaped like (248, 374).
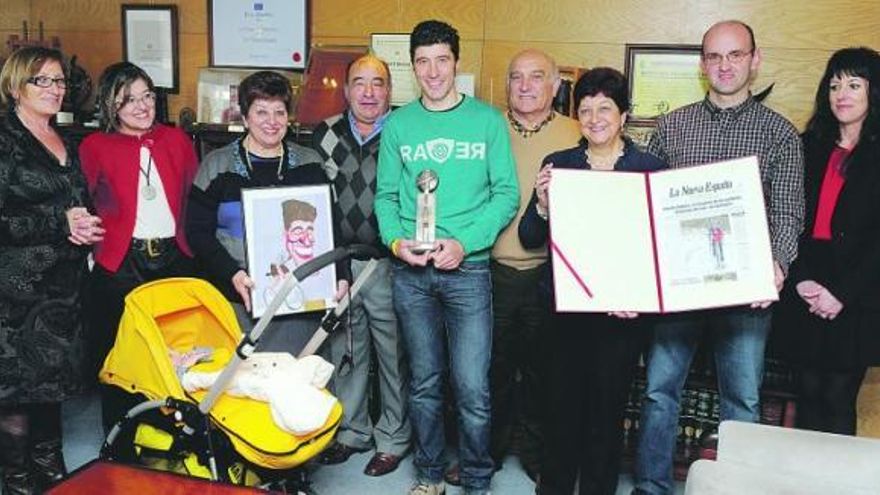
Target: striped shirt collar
(377, 128)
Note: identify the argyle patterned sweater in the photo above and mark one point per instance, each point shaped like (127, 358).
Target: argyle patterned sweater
(352, 170)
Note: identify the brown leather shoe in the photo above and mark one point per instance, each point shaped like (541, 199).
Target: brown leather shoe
(338, 453)
(381, 464)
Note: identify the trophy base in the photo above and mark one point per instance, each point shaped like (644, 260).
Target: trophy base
(422, 247)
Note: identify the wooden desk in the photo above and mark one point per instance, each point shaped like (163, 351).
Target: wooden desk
(108, 478)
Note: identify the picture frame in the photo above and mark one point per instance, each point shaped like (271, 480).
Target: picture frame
(283, 228)
(393, 48)
(264, 34)
(149, 40)
(663, 78)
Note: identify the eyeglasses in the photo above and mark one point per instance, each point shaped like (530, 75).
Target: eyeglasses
(147, 99)
(46, 81)
(733, 57)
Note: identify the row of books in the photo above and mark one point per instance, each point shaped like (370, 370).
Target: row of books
(699, 414)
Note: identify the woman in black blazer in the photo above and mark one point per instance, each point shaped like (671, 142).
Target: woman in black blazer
(828, 321)
(590, 358)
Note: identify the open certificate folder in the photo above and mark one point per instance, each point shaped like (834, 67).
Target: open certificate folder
(674, 240)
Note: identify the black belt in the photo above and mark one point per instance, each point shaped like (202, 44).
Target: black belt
(154, 247)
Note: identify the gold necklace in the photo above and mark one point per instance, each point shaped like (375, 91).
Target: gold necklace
(247, 157)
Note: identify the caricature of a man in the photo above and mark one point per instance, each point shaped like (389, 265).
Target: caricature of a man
(299, 242)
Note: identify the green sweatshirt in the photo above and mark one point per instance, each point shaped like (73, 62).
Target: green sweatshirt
(469, 148)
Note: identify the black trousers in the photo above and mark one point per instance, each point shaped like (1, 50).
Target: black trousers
(590, 371)
(106, 301)
(517, 374)
(827, 400)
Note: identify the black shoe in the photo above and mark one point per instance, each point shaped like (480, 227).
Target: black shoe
(48, 463)
(19, 481)
(338, 453)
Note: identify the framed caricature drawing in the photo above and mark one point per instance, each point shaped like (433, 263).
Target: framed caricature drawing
(285, 227)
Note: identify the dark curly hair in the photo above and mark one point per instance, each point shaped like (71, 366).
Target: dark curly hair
(427, 33)
(606, 81)
(266, 85)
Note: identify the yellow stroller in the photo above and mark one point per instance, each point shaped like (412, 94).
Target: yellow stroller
(205, 433)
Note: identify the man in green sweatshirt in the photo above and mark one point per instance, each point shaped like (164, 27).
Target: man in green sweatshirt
(442, 296)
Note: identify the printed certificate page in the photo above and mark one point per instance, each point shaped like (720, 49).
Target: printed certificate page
(712, 239)
(601, 242)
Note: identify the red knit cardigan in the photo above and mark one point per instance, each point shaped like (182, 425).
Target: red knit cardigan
(110, 162)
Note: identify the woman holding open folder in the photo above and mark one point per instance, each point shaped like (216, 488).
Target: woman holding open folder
(591, 357)
(829, 318)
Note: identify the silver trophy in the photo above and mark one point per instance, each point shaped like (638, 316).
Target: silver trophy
(426, 211)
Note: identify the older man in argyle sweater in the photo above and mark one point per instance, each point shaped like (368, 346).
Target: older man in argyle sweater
(349, 145)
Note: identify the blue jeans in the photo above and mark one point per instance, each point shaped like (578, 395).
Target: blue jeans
(439, 310)
(739, 335)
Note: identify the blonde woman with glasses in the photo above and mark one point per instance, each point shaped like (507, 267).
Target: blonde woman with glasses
(45, 230)
(139, 175)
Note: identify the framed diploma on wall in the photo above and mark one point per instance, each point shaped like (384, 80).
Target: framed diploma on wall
(663, 78)
(149, 40)
(266, 34)
(393, 48)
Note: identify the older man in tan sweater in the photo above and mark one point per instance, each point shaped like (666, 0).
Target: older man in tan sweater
(535, 132)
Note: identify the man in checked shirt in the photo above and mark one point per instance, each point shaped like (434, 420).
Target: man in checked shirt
(729, 123)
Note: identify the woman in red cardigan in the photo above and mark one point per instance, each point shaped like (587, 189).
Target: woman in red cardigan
(139, 175)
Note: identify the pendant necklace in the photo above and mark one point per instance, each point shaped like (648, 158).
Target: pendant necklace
(148, 190)
(247, 157)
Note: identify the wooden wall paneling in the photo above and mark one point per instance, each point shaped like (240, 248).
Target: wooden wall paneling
(11, 16)
(576, 21)
(341, 40)
(466, 16)
(353, 18)
(829, 24)
(192, 16)
(193, 52)
(94, 50)
(471, 61)
(796, 75)
(77, 15)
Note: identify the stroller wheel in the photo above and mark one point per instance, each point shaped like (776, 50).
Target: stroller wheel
(295, 482)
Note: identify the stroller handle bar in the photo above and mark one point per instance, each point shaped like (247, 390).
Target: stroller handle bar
(356, 251)
(249, 342)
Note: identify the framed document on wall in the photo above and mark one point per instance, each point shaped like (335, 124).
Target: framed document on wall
(393, 48)
(149, 40)
(268, 34)
(663, 78)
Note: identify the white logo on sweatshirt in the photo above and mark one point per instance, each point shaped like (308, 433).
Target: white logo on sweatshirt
(440, 150)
